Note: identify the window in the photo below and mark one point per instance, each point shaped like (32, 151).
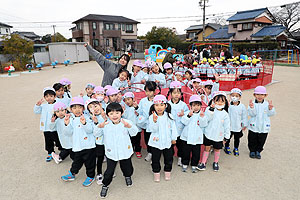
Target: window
(234, 25)
(192, 35)
(119, 26)
(247, 26)
(123, 27)
(79, 26)
(282, 43)
(129, 28)
(7, 30)
(109, 26)
(107, 42)
(95, 42)
(94, 25)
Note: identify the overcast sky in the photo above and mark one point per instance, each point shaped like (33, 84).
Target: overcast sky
(24, 15)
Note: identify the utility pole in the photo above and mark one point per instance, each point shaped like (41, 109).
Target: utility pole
(54, 32)
(202, 4)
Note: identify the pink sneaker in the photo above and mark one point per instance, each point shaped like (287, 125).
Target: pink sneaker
(167, 176)
(138, 154)
(157, 177)
(56, 158)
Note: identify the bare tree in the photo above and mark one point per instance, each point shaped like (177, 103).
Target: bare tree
(288, 15)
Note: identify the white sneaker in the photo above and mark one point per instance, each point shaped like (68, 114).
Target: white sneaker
(179, 162)
(148, 157)
(99, 179)
(56, 158)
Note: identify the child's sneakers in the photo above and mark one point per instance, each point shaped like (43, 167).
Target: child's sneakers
(184, 168)
(167, 176)
(194, 169)
(88, 181)
(68, 177)
(201, 167)
(179, 163)
(128, 181)
(215, 166)
(49, 158)
(99, 179)
(236, 152)
(56, 158)
(227, 150)
(252, 155)
(156, 177)
(103, 193)
(138, 154)
(258, 156)
(148, 157)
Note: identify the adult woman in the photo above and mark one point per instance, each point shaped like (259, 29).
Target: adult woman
(111, 70)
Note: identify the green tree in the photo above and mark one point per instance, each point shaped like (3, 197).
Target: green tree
(21, 50)
(163, 36)
(57, 38)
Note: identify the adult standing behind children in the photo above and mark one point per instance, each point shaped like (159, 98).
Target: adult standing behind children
(111, 70)
(169, 57)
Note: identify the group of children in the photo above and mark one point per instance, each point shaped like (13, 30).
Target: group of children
(107, 123)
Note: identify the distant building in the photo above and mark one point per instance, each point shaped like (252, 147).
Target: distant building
(29, 36)
(195, 32)
(4, 30)
(252, 26)
(107, 32)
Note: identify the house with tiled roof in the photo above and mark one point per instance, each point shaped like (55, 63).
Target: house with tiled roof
(195, 32)
(106, 31)
(4, 30)
(252, 26)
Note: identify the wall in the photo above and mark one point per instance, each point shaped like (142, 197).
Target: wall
(207, 32)
(41, 57)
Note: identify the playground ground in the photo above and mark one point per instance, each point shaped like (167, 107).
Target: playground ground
(25, 174)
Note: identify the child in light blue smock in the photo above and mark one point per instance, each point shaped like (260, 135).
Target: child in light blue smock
(168, 72)
(46, 112)
(97, 116)
(131, 114)
(192, 135)
(157, 76)
(60, 94)
(58, 123)
(67, 87)
(144, 107)
(116, 134)
(138, 77)
(122, 81)
(179, 107)
(238, 120)
(81, 129)
(163, 135)
(217, 131)
(89, 89)
(259, 124)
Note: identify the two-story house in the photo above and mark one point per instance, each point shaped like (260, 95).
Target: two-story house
(4, 30)
(251, 26)
(195, 32)
(106, 32)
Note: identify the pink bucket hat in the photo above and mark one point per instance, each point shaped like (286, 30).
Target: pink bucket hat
(137, 63)
(90, 85)
(151, 64)
(48, 88)
(111, 92)
(167, 65)
(99, 90)
(194, 98)
(77, 101)
(144, 66)
(216, 93)
(260, 90)
(178, 73)
(159, 99)
(65, 81)
(59, 106)
(198, 80)
(128, 95)
(236, 90)
(88, 102)
(108, 87)
(208, 82)
(175, 84)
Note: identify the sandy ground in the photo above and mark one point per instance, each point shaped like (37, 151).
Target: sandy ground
(24, 174)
